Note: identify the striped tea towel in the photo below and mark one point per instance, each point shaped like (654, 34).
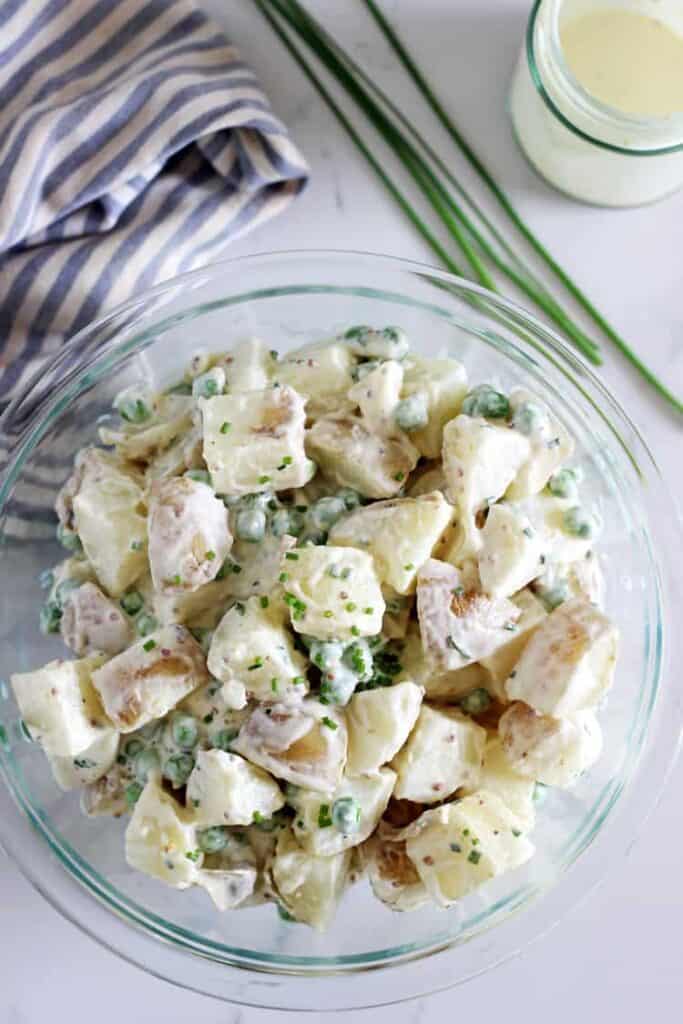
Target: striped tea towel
(134, 143)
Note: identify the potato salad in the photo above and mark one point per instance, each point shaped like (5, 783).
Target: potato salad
(330, 614)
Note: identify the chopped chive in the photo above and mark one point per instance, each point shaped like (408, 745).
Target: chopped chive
(474, 856)
(273, 685)
(329, 723)
(355, 631)
(264, 602)
(149, 645)
(264, 479)
(291, 556)
(225, 427)
(369, 610)
(257, 663)
(210, 555)
(351, 606)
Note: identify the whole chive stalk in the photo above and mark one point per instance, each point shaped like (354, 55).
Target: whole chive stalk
(332, 56)
(406, 207)
(506, 204)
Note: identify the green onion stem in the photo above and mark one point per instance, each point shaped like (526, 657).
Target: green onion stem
(409, 211)
(506, 204)
(441, 201)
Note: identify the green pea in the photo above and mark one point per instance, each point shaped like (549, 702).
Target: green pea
(184, 730)
(529, 418)
(68, 538)
(209, 384)
(324, 513)
(50, 617)
(350, 498)
(325, 654)
(388, 343)
(213, 840)
(579, 523)
(338, 684)
(250, 524)
(177, 769)
(146, 624)
(411, 413)
(132, 793)
(287, 520)
(346, 815)
(146, 763)
(563, 484)
(131, 602)
(63, 590)
(200, 476)
(359, 659)
(133, 410)
(487, 402)
(132, 747)
(476, 701)
(224, 739)
(46, 579)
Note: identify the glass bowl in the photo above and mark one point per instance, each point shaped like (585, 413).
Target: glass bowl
(370, 955)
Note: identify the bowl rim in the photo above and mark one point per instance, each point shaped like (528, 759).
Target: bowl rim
(507, 307)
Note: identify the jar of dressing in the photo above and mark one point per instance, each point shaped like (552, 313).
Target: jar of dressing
(597, 98)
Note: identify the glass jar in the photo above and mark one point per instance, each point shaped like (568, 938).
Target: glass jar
(587, 149)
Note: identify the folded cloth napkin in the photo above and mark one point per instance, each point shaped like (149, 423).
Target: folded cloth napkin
(134, 143)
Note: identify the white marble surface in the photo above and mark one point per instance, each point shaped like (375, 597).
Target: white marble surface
(617, 956)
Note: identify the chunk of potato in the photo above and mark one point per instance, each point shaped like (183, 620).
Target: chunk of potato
(91, 622)
(229, 887)
(569, 662)
(189, 536)
(172, 418)
(159, 837)
(148, 679)
(302, 743)
(106, 797)
(553, 750)
(457, 847)
(376, 395)
(501, 663)
(252, 646)
(352, 455)
(254, 441)
(248, 367)
(313, 823)
(321, 373)
(400, 534)
(515, 789)
(60, 706)
(443, 383)
(108, 515)
(309, 887)
(392, 874)
(207, 604)
(332, 592)
(480, 461)
(512, 552)
(444, 751)
(379, 723)
(88, 766)
(225, 789)
(550, 446)
(459, 626)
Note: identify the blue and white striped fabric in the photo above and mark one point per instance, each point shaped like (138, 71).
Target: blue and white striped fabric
(134, 143)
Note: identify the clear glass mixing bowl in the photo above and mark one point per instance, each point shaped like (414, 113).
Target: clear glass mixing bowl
(370, 955)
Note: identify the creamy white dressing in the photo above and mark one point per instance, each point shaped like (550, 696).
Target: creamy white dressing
(627, 60)
(597, 98)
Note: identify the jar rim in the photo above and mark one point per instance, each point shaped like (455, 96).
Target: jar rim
(584, 101)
